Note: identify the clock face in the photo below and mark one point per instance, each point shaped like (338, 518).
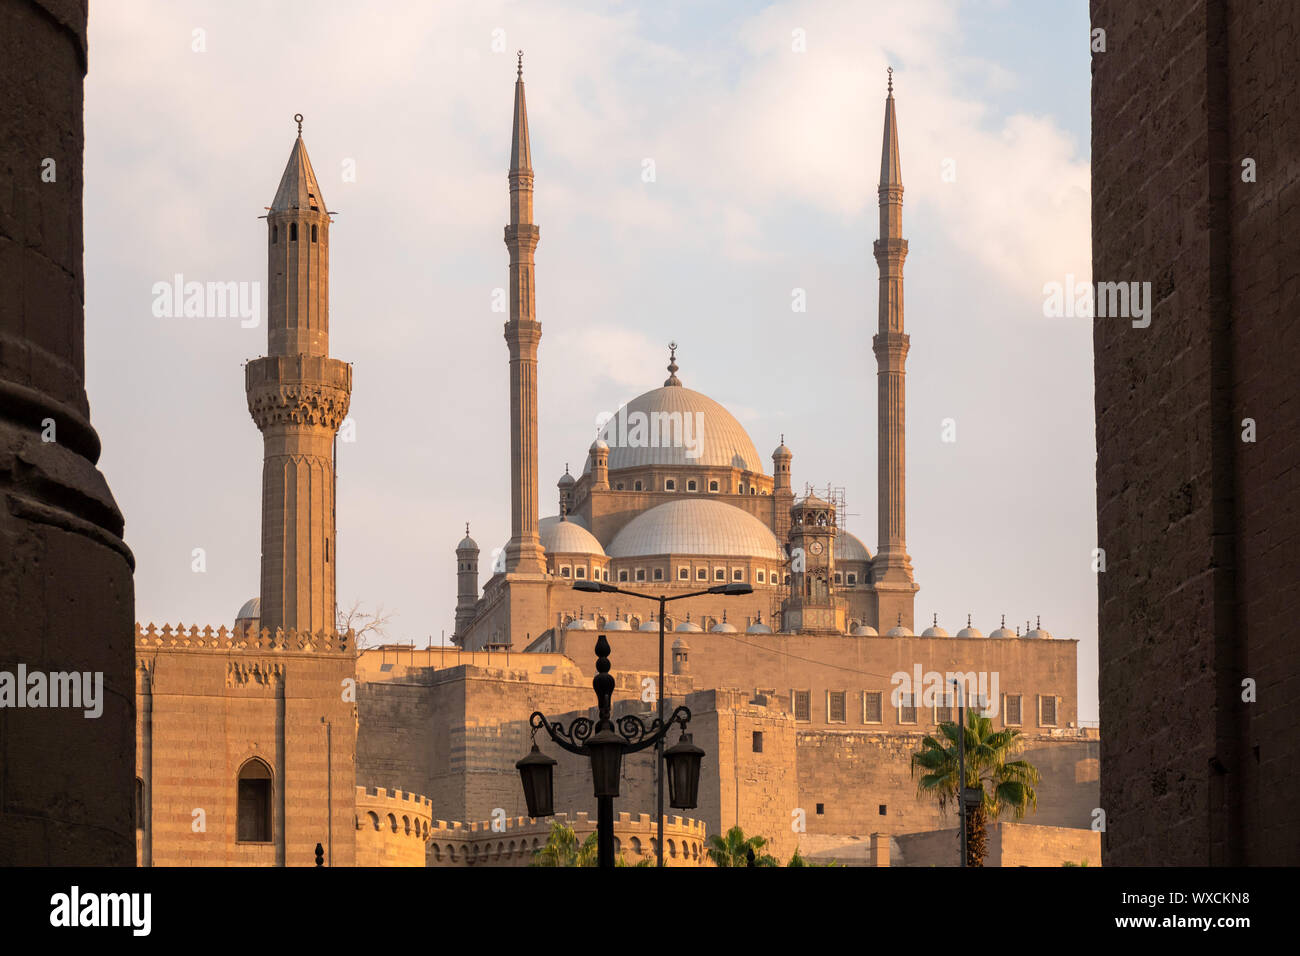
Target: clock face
(815, 547)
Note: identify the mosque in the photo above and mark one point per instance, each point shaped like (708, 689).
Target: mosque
(277, 743)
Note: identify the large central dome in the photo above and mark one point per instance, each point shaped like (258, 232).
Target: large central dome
(679, 427)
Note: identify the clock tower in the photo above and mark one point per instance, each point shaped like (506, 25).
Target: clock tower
(812, 606)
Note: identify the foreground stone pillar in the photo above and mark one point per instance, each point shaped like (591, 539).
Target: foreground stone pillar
(66, 598)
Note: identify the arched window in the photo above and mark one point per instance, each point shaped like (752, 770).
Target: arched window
(275, 234)
(374, 820)
(139, 804)
(293, 232)
(313, 233)
(690, 485)
(392, 823)
(636, 486)
(406, 822)
(254, 823)
(713, 486)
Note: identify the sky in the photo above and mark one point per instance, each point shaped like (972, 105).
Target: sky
(762, 123)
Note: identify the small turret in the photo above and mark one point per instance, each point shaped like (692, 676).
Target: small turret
(599, 453)
(466, 583)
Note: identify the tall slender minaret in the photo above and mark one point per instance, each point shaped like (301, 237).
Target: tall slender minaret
(298, 396)
(892, 567)
(523, 332)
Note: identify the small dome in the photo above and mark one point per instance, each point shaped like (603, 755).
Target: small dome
(689, 627)
(597, 446)
(969, 631)
(580, 624)
(900, 630)
(467, 543)
(649, 624)
(681, 645)
(722, 627)
(782, 451)
(566, 480)
(849, 547)
(934, 630)
(561, 534)
(1038, 633)
(758, 627)
(1003, 631)
(617, 625)
(251, 611)
(865, 630)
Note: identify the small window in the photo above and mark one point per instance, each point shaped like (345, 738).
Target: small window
(853, 577)
(691, 486)
(683, 574)
(758, 741)
(313, 233)
(327, 550)
(942, 714)
(275, 234)
(821, 809)
(670, 484)
(713, 486)
(1011, 710)
(640, 574)
(659, 574)
(719, 574)
(762, 576)
(622, 575)
(751, 489)
(564, 572)
(1047, 711)
(139, 804)
(906, 709)
(837, 578)
(637, 486)
(737, 574)
(883, 809)
(293, 232)
(701, 574)
(872, 707)
(835, 707)
(579, 572)
(605, 575)
(802, 704)
(253, 824)
(787, 579)
(619, 486)
(741, 488)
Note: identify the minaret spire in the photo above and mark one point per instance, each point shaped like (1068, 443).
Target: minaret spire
(892, 567)
(523, 332)
(299, 556)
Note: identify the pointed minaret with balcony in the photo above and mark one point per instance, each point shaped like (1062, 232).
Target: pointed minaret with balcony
(298, 396)
(892, 578)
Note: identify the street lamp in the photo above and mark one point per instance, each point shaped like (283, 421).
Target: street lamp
(605, 742)
(730, 589)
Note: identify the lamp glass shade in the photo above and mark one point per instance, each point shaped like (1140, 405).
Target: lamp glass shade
(683, 763)
(537, 772)
(606, 749)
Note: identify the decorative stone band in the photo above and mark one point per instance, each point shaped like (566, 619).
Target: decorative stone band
(298, 390)
(247, 639)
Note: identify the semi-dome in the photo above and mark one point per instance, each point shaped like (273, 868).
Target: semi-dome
(696, 526)
(968, 630)
(567, 536)
(251, 610)
(1003, 630)
(679, 427)
(849, 547)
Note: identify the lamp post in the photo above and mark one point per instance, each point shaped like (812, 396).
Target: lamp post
(733, 588)
(605, 742)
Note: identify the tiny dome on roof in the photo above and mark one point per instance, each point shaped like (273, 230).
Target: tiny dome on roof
(1038, 632)
(900, 630)
(865, 630)
(758, 627)
(969, 631)
(251, 610)
(681, 645)
(563, 534)
(598, 445)
(1003, 631)
(934, 630)
(689, 626)
(722, 627)
(618, 624)
(566, 479)
(580, 624)
(782, 451)
(649, 624)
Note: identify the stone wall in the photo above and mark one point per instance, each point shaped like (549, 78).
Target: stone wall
(393, 827)
(1198, 525)
(207, 705)
(1009, 844)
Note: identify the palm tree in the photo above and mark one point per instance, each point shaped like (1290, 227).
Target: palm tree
(1004, 784)
(735, 849)
(562, 849)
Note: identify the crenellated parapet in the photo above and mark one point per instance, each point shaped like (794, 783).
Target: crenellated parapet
(512, 841)
(392, 827)
(150, 637)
